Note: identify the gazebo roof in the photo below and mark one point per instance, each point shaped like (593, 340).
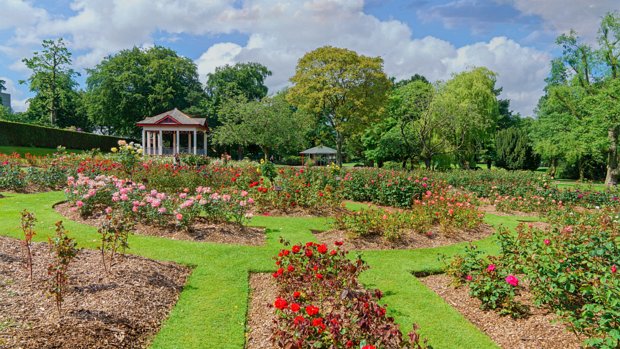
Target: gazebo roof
(174, 117)
(320, 150)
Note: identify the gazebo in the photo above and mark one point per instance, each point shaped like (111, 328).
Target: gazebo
(320, 154)
(175, 125)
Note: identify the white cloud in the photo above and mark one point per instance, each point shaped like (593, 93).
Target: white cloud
(560, 16)
(280, 32)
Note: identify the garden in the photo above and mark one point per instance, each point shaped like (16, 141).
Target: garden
(119, 250)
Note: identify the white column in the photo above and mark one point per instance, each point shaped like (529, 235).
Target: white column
(178, 141)
(204, 143)
(195, 141)
(148, 142)
(161, 142)
(189, 141)
(143, 140)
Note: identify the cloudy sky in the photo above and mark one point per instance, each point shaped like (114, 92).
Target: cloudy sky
(433, 38)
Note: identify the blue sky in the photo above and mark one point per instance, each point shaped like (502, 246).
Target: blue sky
(434, 38)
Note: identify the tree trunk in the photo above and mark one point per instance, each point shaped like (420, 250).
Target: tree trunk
(240, 152)
(612, 157)
(427, 163)
(489, 164)
(339, 142)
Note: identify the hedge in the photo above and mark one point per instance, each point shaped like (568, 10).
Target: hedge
(26, 135)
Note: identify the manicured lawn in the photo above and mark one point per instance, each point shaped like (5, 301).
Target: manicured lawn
(211, 310)
(33, 151)
(569, 183)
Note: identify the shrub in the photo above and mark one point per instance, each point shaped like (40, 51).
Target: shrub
(64, 251)
(514, 150)
(321, 304)
(18, 134)
(28, 221)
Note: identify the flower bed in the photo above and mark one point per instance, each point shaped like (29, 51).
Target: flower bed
(321, 304)
(444, 213)
(570, 270)
(124, 309)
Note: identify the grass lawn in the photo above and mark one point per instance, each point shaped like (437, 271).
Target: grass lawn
(211, 310)
(572, 184)
(32, 150)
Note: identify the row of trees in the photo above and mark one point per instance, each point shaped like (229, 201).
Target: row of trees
(345, 100)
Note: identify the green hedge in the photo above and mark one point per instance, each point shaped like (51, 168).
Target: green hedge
(26, 135)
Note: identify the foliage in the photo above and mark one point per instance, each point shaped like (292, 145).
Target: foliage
(132, 84)
(28, 221)
(321, 304)
(64, 250)
(114, 233)
(513, 150)
(54, 85)
(340, 87)
(128, 154)
(19, 134)
(271, 123)
(245, 80)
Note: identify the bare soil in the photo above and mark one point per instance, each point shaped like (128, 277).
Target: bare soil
(491, 209)
(122, 310)
(410, 239)
(259, 327)
(225, 233)
(541, 330)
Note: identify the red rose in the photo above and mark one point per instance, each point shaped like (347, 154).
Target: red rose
(295, 307)
(286, 252)
(369, 347)
(296, 249)
(308, 252)
(296, 294)
(309, 243)
(349, 344)
(322, 248)
(280, 303)
(317, 322)
(311, 310)
(299, 320)
(290, 268)
(339, 243)
(319, 276)
(333, 252)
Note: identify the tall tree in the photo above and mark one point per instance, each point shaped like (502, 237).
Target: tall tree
(136, 83)
(469, 102)
(241, 79)
(583, 87)
(53, 82)
(271, 123)
(346, 89)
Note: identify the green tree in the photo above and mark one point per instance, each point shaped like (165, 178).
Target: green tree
(583, 90)
(344, 89)
(241, 79)
(514, 150)
(271, 123)
(132, 84)
(53, 82)
(469, 103)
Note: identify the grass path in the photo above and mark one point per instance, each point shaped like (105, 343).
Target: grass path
(212, 308)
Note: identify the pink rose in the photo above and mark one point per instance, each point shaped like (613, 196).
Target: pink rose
(614, 269)
(162, 210)
(250, 201)
(512, 280)
(468, 278)
(547, 241)
(244, 193)
(79, 203)
(491, 267)
(179, 216)
(108, 210)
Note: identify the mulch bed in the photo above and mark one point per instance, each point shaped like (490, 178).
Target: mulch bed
(492, 209)
(225, 233)
(261, 313)
(410, 239)
(300, 212)
(539, 330)
(122, 310)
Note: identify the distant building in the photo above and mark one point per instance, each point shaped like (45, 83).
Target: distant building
(5, 100)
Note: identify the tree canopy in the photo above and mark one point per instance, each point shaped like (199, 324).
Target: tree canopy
(133, 84)
(341, 88)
